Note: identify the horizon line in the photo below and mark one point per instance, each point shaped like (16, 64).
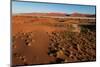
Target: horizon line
(55, 12)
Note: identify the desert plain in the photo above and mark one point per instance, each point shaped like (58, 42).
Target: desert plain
(49, 38)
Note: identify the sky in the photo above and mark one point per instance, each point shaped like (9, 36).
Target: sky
(29, 7)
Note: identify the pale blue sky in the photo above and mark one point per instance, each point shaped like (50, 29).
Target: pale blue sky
(29, 7)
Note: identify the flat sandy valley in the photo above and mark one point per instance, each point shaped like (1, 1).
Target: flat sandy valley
(53, 38)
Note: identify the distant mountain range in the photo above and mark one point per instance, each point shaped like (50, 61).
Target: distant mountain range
(59, 14)
(82, 15)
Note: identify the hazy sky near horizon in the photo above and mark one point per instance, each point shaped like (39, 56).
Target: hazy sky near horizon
(29, 7)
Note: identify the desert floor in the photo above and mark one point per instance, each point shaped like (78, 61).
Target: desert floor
(48, 40)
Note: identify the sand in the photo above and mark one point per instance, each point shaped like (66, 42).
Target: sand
(46, 41)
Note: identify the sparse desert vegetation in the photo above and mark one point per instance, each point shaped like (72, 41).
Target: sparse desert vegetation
(46, 40)
(72, 46)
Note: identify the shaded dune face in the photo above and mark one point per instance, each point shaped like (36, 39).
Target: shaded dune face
(47, 41)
